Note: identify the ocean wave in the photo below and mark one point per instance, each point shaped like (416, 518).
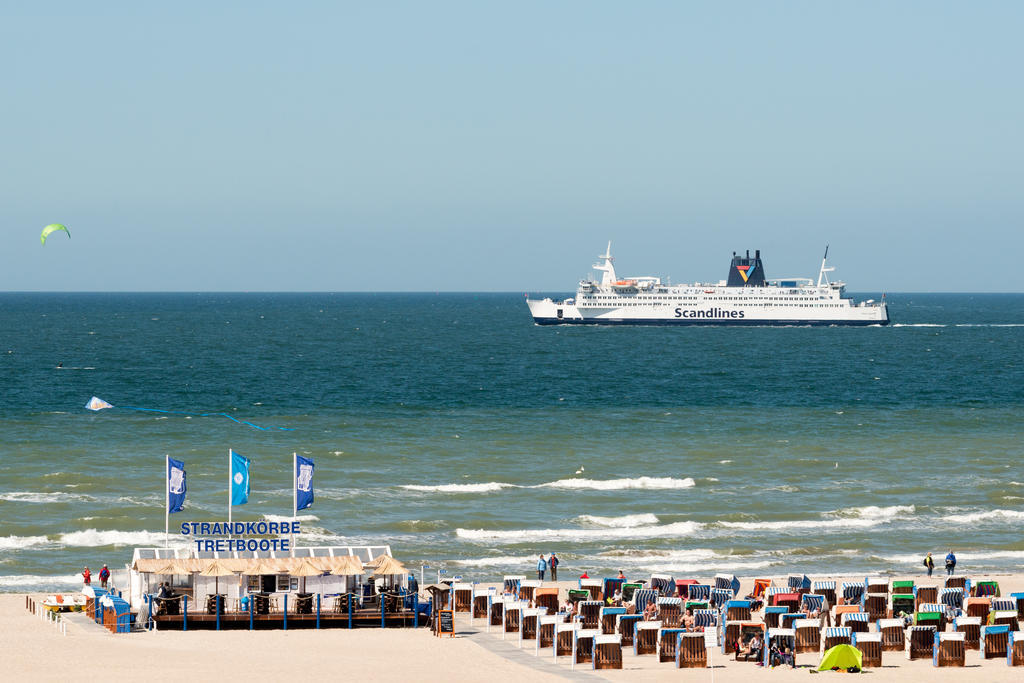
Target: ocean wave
(850, 523)
(501, 561)
(675, 530)
(460, 488)
(22, 542)
(621, 484)
(289, 518)
(968, 556)
(917, 325)
(41, 497)
(625, 521)
(1006, 515)
(875, 512)
(94, 537)
(33, 582)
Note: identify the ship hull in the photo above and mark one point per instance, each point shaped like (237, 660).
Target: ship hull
(690, 323)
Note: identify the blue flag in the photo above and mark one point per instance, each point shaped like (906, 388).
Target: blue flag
(175, 485)
(239, 479)
(303, 483)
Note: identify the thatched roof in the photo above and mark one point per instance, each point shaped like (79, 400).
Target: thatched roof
(389, 566)
(341, 565)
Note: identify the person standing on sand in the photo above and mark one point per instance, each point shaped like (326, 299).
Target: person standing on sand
(950, 563)
(86, 576)
(929, 563)
(104, 576)
(553, 563)
(541, 567)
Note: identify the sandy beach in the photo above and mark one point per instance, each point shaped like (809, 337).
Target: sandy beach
(37, 651)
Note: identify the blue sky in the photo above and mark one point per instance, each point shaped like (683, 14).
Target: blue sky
(484, 146)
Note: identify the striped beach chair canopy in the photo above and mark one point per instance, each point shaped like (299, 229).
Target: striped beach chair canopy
(642, 596)
(867, 637)
(812, 602)
(772, 590)
(705, 617)
(952, 597)
(727, 581)
(855, 616)
(663, 583)
(720, 596)
(798, 581)
(837, 632)
(915, 629)
(670, 600)
(700, 591)
(932, 607)
(512, 582)
(612, 585)
(823, 586)
(853, 592)
(1003, 605)
(778, 636)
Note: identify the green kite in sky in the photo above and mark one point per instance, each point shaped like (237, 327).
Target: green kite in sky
(53, 227)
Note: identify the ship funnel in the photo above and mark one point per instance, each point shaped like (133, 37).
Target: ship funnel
(746, 271)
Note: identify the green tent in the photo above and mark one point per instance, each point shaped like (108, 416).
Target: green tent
(842, 657)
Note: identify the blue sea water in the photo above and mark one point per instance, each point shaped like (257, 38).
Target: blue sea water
(452, 428)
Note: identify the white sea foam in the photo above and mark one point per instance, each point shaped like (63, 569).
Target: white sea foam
(289, 518)
(675, 530)
(460, 488)
(93, 537)
(41, 497)
(21, 542)
(502, 561)
(33, 582)
(621, 484)
(917, 325)
(795, 525)
(969, 556)
(875, 512)
(625, 521)
(1002, 515)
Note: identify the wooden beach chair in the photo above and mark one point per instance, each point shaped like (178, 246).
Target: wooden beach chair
(857, 622)
(529, 622)
(593, 586)
(1018, 599)
(565, 636)
(641, 597)
(546, 630)
(924, 595)
(546, 597)
(852, 593)
(902, 602)
(781, 637)
(971, 628)
(835, 635)
(876, 605)
(798, 582)
(892, 634)
(808, 635)
(825, 588)
(995, 641)
(705, 618)
(791, 601)
(645, 637)
(481, 603)
(985, 589)
(737, 610)
(682, 587)
(625, 625)
(1015, 649)
(670, 612)
(902, 587)
(691, 651)
(629, 590)
(930, 617)
(667, 639)
(870, 646)
(978, 607)
(609, 586)
(1004, 618)
(952, 597)
(700, 592)
(727, 582)
(720, 596)
(948, 650)
(590, 613)
(497, 617)
(958, 582)
(760, 586)
(511, 583)
(463, 597)
(1003, 605)
(844, 609)
(607, 652)
(786, 620)
(513, 615)
(772, 615)
(528, 589)
(583, 645)
(609, 617)
(876, 584)
(663, 583)
(920, 642)
(813, 603)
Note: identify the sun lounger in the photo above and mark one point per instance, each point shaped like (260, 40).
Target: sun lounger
(985, 589)
(528, 589)
(924, 594)
(728, 582)
(683, 585)
(667, 643)
(856, 621)
(971, 628)
(978, 607)
(952, 597)
(610, 586)
(546, 597)
(645, 637)
(546, 624)
(590, 613)
(782, 637)
(892, 634)
(670, 611)
(565, 636)
(608, 618)
(691, 651)
(870, 646)
(852, 593)
(773, 614)
(625, 625)
(593, 586)
(835, 635)
(808, 635)
(920, 642)
(948, 649)
(663, 583)
(876, 605)
(826, 588)
(995, 641)
(699, 591)
(628, 590)
(1004, 618)
(737, 610)
(583, 645)
(1015, 649)
(607, 652)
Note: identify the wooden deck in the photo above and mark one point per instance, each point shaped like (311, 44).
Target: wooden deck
(276, 620)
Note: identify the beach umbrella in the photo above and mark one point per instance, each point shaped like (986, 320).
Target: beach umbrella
(389, 566)
(304, 568)
(216, 569)
(343, 565)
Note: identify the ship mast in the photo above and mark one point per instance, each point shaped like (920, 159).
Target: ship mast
(607, 268)
(821, 273)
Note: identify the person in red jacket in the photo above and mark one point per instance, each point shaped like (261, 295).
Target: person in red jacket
(87, 576)
(104, 576)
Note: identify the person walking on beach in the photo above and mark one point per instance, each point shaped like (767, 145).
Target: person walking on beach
(104, 576)
(950, 563)
(541, 567)
(929, 563)
(86, 576)
(553, 563)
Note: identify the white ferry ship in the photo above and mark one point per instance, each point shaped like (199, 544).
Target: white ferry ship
(747, 297)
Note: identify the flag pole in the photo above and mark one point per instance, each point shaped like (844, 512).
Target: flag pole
(167, 500)
(295, 494)
(229, 486)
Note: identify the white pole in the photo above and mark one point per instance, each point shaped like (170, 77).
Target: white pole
(229, 486)
(295, 494)
(167, 501)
